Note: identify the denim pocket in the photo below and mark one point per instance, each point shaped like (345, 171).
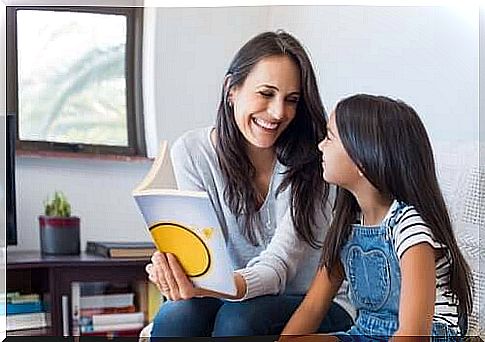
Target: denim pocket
(442, 333)
(369, 277)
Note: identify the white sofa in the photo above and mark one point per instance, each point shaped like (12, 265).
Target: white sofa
(462, 181)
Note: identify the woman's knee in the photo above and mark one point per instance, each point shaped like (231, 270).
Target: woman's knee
(193, 317)
(233, 322)
(266, 315)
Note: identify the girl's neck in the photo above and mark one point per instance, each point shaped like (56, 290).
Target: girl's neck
(374, 207)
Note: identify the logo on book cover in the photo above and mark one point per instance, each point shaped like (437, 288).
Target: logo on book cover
(191, 251)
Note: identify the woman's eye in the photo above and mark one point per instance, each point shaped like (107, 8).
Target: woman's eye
(293, 100)
(266, 93)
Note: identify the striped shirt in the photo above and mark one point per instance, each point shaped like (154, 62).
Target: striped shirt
(410, 230)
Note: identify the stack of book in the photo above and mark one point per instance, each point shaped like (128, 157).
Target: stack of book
(121, 249)
(105, 314)
(25, 311)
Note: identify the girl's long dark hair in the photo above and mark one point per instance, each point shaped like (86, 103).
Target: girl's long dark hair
(295, 148)
(388, 142)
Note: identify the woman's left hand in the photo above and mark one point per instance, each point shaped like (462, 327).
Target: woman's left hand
(171, 279)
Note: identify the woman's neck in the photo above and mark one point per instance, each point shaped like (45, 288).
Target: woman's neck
(263, 159)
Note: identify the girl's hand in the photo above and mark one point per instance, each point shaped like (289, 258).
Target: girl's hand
(169, 277)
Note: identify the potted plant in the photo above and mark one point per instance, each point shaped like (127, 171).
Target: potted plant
(59, 231)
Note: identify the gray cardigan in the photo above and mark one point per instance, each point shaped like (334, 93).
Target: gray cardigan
(282, 263)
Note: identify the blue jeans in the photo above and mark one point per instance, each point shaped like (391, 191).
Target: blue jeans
(265, 315)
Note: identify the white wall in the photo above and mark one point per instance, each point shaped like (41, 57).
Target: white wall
(427, 56)
(99, 191)
(193, 48)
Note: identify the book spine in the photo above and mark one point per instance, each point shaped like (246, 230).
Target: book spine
(90, 247)
(142, 297)
(111, 327)
(65, 315)
(88, 313)
(111, 319)
(111, 334)
(107, 301)
(20, 308)
(75, 307)
(155, 299)
(26, 321)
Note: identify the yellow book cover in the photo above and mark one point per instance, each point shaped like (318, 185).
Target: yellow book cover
(185, 224)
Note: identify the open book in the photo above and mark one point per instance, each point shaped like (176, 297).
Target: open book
(185, 224)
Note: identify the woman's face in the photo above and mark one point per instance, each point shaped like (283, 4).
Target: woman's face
(338, 168)
(265, 104)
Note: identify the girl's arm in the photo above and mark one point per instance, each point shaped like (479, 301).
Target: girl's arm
(418, 291)
(312, 310)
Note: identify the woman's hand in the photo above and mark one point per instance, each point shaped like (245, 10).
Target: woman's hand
(169, 277)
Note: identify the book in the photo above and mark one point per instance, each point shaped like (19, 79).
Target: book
(111, 327)
(27, 321)
(155, 299)
(121, 249)
(20, 308)
(111, 334)
(107, 301)
(88, 313)
(17, 298)
(106, 319)
(75, 308)
(185, 224)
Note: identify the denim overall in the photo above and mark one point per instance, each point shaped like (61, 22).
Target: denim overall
(373, 272)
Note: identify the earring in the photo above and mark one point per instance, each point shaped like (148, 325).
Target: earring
(361, 174)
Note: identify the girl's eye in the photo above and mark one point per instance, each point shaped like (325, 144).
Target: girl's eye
(293, 100)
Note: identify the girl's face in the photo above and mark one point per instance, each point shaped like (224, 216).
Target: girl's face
(338, 168)
(265, 104)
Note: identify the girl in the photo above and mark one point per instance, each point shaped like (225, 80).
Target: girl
(260, 167)
(391, 236)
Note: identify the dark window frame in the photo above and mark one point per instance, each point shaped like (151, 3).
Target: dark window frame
(133, 74)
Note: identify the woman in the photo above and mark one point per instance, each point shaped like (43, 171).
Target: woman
(261, 169)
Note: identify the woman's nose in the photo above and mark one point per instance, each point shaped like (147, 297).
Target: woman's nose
(277, 109)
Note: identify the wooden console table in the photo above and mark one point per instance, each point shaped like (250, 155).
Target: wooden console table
(33, 272)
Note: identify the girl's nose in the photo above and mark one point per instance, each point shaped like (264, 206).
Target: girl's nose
(321, 145)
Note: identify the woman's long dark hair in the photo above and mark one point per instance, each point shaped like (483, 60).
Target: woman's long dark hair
(295, 148)
(388, 142)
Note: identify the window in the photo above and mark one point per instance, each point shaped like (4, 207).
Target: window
(74, 78)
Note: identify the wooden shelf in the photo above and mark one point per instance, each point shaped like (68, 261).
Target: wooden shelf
(52, 276)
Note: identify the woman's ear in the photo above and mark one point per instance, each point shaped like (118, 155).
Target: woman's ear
(230, 94)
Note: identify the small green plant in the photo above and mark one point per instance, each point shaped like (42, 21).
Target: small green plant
(59, 206)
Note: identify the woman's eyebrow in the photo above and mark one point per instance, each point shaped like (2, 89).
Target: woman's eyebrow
(268, 86)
